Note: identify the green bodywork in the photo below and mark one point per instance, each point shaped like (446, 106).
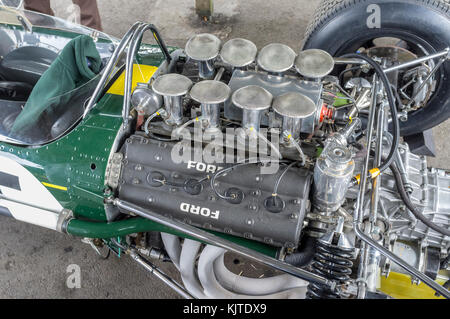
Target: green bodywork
(78, 160)
(76, 165)
(69, 161)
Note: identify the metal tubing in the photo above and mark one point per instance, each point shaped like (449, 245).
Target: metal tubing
(427, 280)
(212, 113)
(206, 69)
(110, 65)
(251, 119)
(174, 107)
(358, 214)
(371, 121)
(356, 108)
(292, 125)
(357, 221)
(3, 197)
(349, 61)
(377, 162)
(373, 257)
(209, 238)
(129, 74)
(439, 54)
(160, 275)
(433, 71)
(219, 74)
(135, 43)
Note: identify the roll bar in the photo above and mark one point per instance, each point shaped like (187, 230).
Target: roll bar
(133, 39)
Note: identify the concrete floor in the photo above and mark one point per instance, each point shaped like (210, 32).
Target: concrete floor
(33, 261)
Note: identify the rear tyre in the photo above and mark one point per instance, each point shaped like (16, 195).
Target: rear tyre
(342, 26)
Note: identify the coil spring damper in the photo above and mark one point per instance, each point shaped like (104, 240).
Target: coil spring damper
(333, 260)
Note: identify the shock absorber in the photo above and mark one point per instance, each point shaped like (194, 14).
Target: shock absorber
(333, 260)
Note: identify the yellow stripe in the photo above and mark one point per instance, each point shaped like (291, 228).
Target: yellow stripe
(62, 188)
(141, 74)
(399, 286)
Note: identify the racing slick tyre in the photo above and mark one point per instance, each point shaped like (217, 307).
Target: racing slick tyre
(344, 26)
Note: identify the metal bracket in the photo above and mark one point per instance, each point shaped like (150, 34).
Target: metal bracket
(113, 170)
(63, 219)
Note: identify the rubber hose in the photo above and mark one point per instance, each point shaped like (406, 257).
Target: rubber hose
(304, 255)
(392, 106)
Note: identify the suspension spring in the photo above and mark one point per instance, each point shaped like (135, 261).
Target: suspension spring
(332, 262)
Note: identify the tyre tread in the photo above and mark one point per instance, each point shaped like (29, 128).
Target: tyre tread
(328, 9)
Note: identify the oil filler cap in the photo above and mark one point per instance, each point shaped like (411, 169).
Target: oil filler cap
(193, 187)
(155, 179)
(234, 195)
(274, 204)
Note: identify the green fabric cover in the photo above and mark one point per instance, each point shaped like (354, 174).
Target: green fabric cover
(69, 71)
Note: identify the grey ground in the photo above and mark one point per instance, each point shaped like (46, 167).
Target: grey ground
(33, 261)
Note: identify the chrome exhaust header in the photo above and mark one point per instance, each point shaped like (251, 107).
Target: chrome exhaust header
(212, 239)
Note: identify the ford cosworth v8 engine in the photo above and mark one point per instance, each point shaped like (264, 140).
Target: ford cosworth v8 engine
(271, 147)
(152, 179)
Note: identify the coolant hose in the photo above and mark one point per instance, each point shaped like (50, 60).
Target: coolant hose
(304, 255)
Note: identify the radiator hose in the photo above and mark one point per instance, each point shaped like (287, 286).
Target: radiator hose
(305, 254)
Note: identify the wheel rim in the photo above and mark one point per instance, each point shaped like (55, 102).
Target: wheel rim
(415, 44)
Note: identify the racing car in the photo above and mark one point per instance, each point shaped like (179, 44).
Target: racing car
(298, 161)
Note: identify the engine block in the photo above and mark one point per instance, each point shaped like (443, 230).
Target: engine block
(150, 178)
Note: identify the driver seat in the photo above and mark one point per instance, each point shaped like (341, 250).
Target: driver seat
(26, 64)
(15, 91)
(20, 69)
